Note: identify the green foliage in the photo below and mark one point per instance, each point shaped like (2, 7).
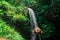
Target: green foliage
(48, 30)
(46, 12)
(9, 12)
(9, 33)
(13, 12)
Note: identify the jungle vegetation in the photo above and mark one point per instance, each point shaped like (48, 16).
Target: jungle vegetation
(15, 23)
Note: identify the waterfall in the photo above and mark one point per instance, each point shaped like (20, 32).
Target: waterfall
(33, 23)
(32, 17)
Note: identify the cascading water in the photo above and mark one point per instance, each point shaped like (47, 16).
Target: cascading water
(32, 17)
(33, 23)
